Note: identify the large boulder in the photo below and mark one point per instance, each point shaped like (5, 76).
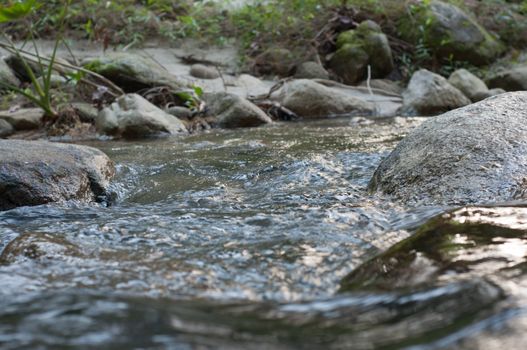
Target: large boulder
(469, 84)
(431, 94)
(7, 77)
(309, 99)
(449, 32)
(311, 70)
(133, 72)
(132, 116)
(358, 48)
(232, 111)
(37, 172)
(24, 119)
(474, 154)
(514, 79)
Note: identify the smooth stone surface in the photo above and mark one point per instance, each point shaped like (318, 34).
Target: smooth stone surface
(469, 84)
(7, 76)
(309, 99)
(38, 172)
(133, 72)
(24, 119)
(430, 94)
(132, 116)
(475, 154)
(311, 70)
(514, 79)
(6, 129)
(232, 111)
(202, 71)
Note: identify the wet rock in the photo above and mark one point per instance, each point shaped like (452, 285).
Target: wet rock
(38, 247)
(311, 70)
(514, 79)
(274, 61)
(469, 84)
(133, 72)
(204, 72)
(6, 129)
(232, 111)
(132, 116)
(37, 172)
(385, 85)
(450, 33)
(86, 112)
(474, 154)
(24, 119)
(7, 76)
(430, 94)
(358, 48)
(465, 244)
(309, 99)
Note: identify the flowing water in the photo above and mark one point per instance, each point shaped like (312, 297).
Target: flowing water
(231, 239)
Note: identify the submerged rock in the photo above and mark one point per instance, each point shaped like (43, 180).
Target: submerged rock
(132, 116)
(465, 244)
(24, 119)
(474, 154)
(232, 111)
(133, 72)
(37, 172)
(450, 33)
(469, 84)
(430, 94)
(514, 79)
(309, 99)
(358, 48)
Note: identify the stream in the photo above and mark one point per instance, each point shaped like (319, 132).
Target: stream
(233, 239)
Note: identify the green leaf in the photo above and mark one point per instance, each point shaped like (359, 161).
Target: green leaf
(198, 91)
(16, 10)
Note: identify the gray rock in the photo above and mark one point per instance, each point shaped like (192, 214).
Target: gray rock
(514, 79)
(450, 33)
(179, 112)
(24, 119)
(20, 71)
(6, 129)
(132, 116)
(473, 154)
(385, 85)
(469, 84)
(37, 172)
(359, 48)
(87, 113)
(233, 111)
(309, 99)
(7, 76)
(204, 72)
(489, 93)
(430, 94)
(311, 70)
(133, 72)
(274, 61)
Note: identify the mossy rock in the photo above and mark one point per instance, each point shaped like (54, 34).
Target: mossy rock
(449, 33)
(463, 244)
(132, 72)
(358, 48)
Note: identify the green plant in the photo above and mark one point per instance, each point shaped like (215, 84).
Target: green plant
(41, 92)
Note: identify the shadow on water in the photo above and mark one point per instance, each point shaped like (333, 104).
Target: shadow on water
(240, 239)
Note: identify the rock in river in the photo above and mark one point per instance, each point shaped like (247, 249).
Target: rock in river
(132, 116)
(474, 154)
(232, 111)
(431, 94)
(38, 172)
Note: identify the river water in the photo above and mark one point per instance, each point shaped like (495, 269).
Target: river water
(229, 239)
